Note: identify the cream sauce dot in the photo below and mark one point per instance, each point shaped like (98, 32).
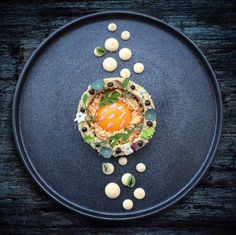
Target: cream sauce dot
(125, 35)
(112, 190)
(138, 68)
(109, 64)
(112, 27)
(139, 193)
(123, 161)
(127, 204)
(125, 54)
(125, 73)
(140, 167)
(111, 44)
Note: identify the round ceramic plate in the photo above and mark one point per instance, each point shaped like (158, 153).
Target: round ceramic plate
(185, 93)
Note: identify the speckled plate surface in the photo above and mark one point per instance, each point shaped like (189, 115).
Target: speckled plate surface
(185, 93)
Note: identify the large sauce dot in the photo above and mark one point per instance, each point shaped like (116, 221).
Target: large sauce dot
(114, 117)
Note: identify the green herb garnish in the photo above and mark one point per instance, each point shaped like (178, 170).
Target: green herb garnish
(100, 51)
(125, 83)
(105, 167)
(88, 139)
(109, 98)
(131, 181)
(147, 133)
(85, 98)
(103, 142)
(90, 118)
(121, 136)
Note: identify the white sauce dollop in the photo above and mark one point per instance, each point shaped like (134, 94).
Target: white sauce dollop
(112, 27)
(123, 161)
(138, 68)
(125, 73)
(109, 64)
(127, 204)
(112, 190)
(140, 167)
(139, 193)
(125, 54)
(111, 44)
(125, 35)
(124, 178)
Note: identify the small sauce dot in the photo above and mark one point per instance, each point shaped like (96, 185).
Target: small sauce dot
(125, 35)
(139, 193)
(127, 204)
(140, 167)
(112, 27)
(123, 161)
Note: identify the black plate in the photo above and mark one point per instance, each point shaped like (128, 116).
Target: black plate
(184, 90)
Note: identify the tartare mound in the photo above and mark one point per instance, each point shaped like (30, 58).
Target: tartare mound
(116, 116)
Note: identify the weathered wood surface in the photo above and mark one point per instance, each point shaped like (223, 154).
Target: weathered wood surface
(209, 209)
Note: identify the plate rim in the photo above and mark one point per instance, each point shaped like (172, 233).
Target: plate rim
(93, 213)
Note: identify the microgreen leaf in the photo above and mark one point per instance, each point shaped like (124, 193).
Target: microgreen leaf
(102, 142)
(104, 167)
(117, 136)
(106, 95)
(113, 143)
(100, 51)
(85, 98)
(147, 133)
(121, 136)
(88, 139)
(108, 98)
(129, 133)
(126, 137)
(115, 94)
(125, 83)
(131, 181)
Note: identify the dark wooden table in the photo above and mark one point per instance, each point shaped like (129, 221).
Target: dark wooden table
(209, 209)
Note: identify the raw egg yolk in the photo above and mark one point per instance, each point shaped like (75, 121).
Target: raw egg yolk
(114, 117)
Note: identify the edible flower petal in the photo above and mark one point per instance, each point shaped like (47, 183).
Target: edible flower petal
(126, 149)
(106, 152)
(98, 85)
(150, 114)
(80, 117)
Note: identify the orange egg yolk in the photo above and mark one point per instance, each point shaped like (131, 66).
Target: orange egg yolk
(114, 117)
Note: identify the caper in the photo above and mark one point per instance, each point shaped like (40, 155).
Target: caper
(147, 102)
(110, 84)
(91, 91)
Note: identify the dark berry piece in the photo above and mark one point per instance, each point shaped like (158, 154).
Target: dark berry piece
(98, 145)
(149, 123)
(132, 87)
(84, 129)
(92, 92)
(110, 84)
(118, 150)
(140, 143)
(147, 102)
(82, 110)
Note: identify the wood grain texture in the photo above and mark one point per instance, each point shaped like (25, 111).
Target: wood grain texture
(209, 209)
